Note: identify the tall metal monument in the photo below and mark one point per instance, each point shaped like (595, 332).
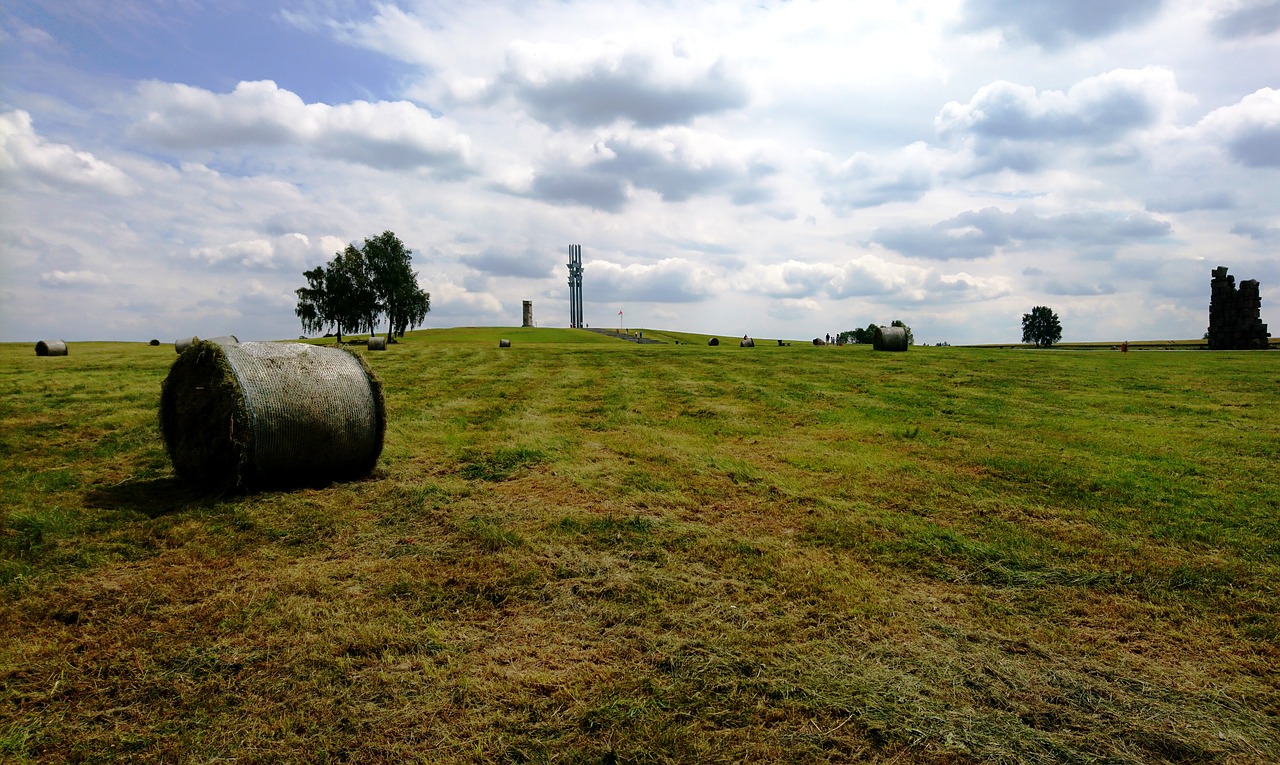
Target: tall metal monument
(575, 286)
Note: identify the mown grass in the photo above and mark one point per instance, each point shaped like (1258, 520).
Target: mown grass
(600, 552)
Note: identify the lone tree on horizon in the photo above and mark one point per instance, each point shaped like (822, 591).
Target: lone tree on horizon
(1041, 327)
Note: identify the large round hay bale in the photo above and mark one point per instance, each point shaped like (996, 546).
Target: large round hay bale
(224, 340)
(242, 415)
(819, 341)
(713, 341)
(747, 343)
(504, 343)
(183, 343)
(378, 343)
(51, 348)
(890, 339)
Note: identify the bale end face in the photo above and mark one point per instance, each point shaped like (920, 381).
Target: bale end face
(504, 343)
(713, 342)
(747, 343)
(377, 343)
(51, 348)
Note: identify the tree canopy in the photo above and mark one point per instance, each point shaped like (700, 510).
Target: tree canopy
(361, 285)
(868, 335)
(1041, 327)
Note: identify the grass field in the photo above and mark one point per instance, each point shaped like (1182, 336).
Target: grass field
(581, 550)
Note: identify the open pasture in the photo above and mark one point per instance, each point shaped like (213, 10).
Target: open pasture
(583, 550)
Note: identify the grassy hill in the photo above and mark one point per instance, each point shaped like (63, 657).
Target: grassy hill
(583, 550)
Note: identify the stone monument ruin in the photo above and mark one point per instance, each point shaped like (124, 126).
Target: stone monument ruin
(1235, 315)
(528, 314)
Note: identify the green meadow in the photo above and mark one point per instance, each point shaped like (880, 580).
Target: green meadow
(580, 550)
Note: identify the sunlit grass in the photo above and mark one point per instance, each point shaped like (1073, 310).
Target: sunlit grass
(583, 550)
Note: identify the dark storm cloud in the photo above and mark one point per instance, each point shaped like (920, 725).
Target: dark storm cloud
(1253, 20)
(632, 86)
(1054, 24)
(978, 234)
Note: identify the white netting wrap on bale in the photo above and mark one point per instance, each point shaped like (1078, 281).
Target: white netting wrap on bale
(889, 339)
(51, 348)
(251, 414)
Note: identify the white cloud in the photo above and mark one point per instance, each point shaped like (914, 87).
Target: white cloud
(23, 151)
(1248, 130)
(74, 279)
(670, 280)
(385, 135)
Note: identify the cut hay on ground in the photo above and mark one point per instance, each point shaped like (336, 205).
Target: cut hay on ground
(890, 339)
(243, 415)
(51, 348)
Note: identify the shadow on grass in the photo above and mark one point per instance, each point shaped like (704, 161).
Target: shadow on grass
(153, 497)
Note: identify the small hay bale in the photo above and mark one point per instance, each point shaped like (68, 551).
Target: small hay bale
(504, 343)
(183, 343)
(747, 343)
(154, 342)
(818, 341)
(713, 342)
(243, 415)
(378, 343)
(51, 348)
(889, 339)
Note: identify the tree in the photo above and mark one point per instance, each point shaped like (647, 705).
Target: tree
(396, 284)
(1041, 327)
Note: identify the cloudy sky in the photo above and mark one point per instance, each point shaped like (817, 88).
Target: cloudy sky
(779, 169)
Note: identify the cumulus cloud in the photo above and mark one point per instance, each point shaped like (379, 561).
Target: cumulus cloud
(671, 280)
(451, 299)
(1248, 130)
(74, 279)
(982, 233)
(676, 163)
(528, 264)
(288, 252)
(1252, 19)
(597, 84)
(866, 276)
(867, 180)
(387, 135)
(58, 165)
(1054, 24)
(1188, 200)
(1257, 232)
(1007, 124)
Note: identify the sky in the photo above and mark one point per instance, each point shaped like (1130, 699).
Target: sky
(170, 168)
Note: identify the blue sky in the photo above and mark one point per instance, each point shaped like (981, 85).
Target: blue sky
(171, 167)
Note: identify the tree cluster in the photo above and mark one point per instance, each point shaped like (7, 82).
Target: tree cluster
(868, 335)
(361, 286)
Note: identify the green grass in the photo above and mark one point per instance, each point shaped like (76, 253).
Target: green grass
(583, 550)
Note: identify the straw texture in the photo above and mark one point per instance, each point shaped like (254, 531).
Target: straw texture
(889, 339)
(51, 348)
(378, 343)
(242, 415)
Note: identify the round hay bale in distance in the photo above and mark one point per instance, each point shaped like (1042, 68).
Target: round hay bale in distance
(183, 343)
(819, 341)
(154, 342)
(51, 348)
(243, 415)
(889, 339)
(377, 343)
(504, 343)
(713, 342)
(747, 343)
